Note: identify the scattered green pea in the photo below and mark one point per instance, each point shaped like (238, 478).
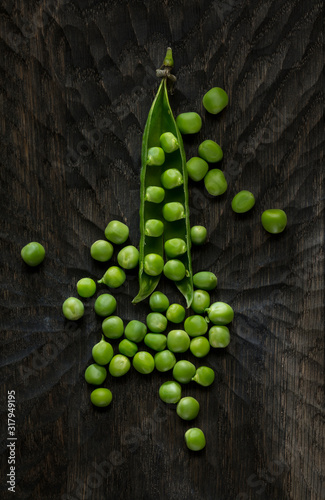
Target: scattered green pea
(210, 151)
(171, 178)
(101, 250)
(101, 397)
(114, 277)
(170, 392)
(154, 194)
(173, 211)
(168, 142)
(127, 348)
(199, 347)
(154, 228)
(105, 305)
(86, 287)
(165, 360)
(119, 365)
(33, 253)
(158, 302)
(178, 341)
(95, 374)
(219, 336)
(205, 280)
(220, 313)
(215, 182)
(153, 264)
(195, 439)
(215, 100)
(135, 330)
(102, 352)
(184, 371)
(143, 362)
(189, 123)
(174, 270)
(175, 247)
(156, 341)
(198, 235)
(204, 376)
(175, 313)
(195, 325)
(197, 168)
(117, 232)
(156, 322)
(243, 202)
(201, 301)
(73, 309)
(156, 156)
(113, 327)
(188, 408)
(274, 220)
(128, 257)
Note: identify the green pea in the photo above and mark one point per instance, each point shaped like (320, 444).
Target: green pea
(105, 305)
(175, 247)
(156, 156)
(73, 309)
(243, 202)
(101, 397)
(205, 280)
(114, 277)
(188, 408)
(174, 270)
(158, 302)
(128, 257)
(170, 392)
(95, 374)
(113, 327)
(102, 352)
(119, 365)
(198, 235)
(156, 322)
(274, 220)
(153, 264)
(165, 360)
(184, 371)
(189, 123)
(135, 330)
(86, 287)
(117, 232)
(200, 302)
(178, 341)
(128, 348)
(33, 253)
(156, 341)
(219, 336)
(215, 182)
(195, 439)
(175, 313)
(168, 142)
(171, 178)
(154, 194)
(215, 100)
(196, 168)
(143, 362)
(210, 151)
(204, 376)
(199, 347)
(173, 211)
(220, 313)
(154, 228)
(101, 250)
(195, 325)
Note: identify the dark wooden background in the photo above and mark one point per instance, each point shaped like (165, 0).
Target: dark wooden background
(77, 78)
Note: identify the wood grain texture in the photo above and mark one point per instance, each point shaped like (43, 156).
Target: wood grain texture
(77, 78)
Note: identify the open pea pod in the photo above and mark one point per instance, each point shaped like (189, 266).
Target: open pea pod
(160, 120)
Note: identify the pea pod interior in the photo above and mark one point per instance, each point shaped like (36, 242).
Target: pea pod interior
(160, 120)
